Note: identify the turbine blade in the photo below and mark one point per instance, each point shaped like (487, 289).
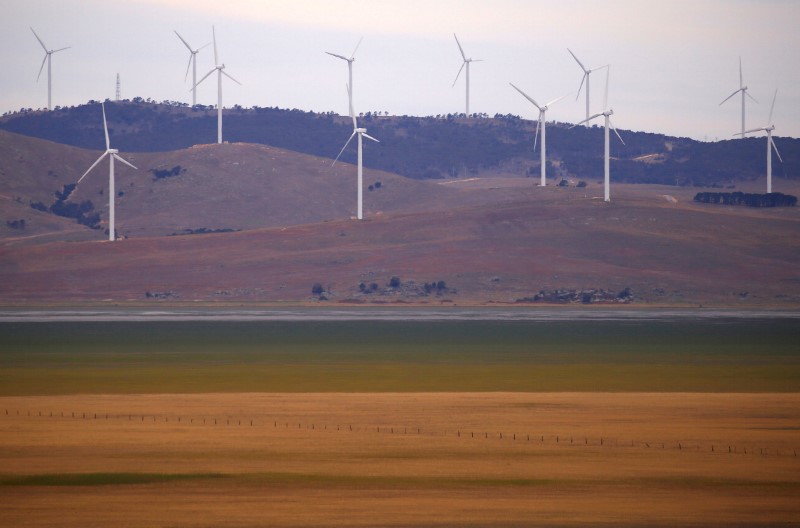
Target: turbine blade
(741, 77)
(364, 134)
(120, 158)
(615, 130)
(774, 146)
(536, 137)
(772, 108)
(61, 49)
(226, 74)
(751, 97)
(42, 67)
(460, 48)
(526, 96)
(585, 71)
(731, 95)
(585, 75)
(605, 96)
(459, 72)
(204, 78)
(207, 44)
(586, 120)
(752, 130)
(214, 37)
(40, 40)
(336, 55)
(344, 147)
(554, 101)
(183, 40)
(105, 126)
(189, 65)
(352, 55)
(103, 155)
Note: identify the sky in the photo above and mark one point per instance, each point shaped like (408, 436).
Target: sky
(672, 62)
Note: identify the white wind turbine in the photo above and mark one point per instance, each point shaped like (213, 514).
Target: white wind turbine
(541, 123)
(465, 63)
(607, 114)
(770, 143)
(220, 69)
(359, 132)
(111, 153)
(743, 89)
(586, 73)
(193, 64)
(47, 56)
(349, 67)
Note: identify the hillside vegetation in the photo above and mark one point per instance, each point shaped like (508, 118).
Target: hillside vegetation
(444, 146)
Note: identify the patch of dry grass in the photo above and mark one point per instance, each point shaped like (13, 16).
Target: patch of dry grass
(450, 459)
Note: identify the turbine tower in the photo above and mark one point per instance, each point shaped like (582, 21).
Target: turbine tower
(220, 69)
(349, 68)
(192, 64)
(465, 63)
(770, 143)
(118, 95)
(607, 165)
(359, 132)
(743, 89)
(47, 57)
(586, 73)
(541, 122)
(111, 153)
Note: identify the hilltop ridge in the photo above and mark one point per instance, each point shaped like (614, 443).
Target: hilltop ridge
(435, 147)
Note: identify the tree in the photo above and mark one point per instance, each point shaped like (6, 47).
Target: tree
(317, 289)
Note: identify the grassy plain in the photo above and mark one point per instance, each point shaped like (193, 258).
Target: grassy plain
(399, 459)
(474, 423)
(399, 356)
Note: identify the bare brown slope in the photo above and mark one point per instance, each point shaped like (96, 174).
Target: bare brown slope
(229, 186)
(497, 252)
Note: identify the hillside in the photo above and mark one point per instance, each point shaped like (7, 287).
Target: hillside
(420, 147)
(203, 188)
(486, 253)
(283, 224)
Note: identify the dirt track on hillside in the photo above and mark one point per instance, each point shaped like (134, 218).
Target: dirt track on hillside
(463, 459)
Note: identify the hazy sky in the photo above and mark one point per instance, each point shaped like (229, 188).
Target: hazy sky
(673, 62)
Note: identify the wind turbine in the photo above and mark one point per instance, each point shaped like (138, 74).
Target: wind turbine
(220, 69)
(607, 114)
(47, 56)
(359, 132)
(586, 72)
(770, 143)
(465, 63)
(193, 64)
(542, 111)
(111, 153)
(349, 67)
(743, 89)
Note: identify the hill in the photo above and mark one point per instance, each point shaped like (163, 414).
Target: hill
(261, 224)
(444, 146)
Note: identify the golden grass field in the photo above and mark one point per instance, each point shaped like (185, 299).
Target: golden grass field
(392, 459)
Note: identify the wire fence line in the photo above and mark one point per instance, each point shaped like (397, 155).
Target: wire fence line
(570, 440)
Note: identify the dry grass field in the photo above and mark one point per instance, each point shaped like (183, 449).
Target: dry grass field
(391, 459)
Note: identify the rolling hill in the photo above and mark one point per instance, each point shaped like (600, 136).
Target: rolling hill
(285, 225)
